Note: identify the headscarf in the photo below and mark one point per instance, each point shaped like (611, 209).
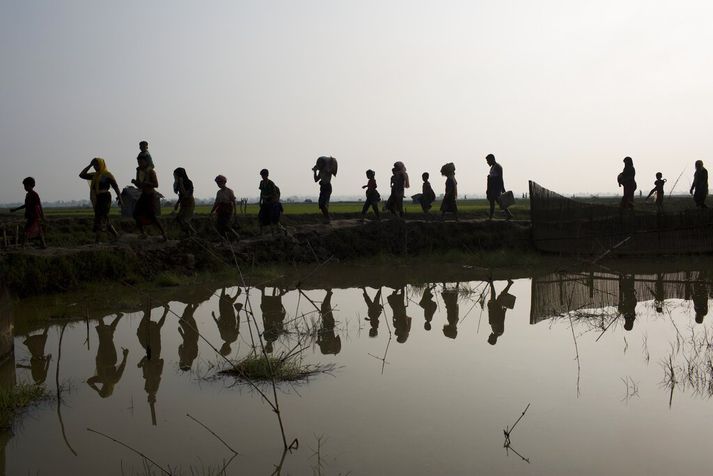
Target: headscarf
(401, 169)
(97, 178)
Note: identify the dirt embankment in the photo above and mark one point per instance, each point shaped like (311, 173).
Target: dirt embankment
(57, 269)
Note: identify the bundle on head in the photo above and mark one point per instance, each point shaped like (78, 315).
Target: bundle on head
(448, 169)
(327, 164)
(401, 169)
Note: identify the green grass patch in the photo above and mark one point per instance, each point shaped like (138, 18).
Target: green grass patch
(13, 400)
(261, 368)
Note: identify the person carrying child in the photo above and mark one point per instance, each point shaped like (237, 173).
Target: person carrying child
(372, 196)
(658, 190)
(270, 206)
(448, 205)
(145, 209)
(224, 208)
(399, 182)
(34, 214)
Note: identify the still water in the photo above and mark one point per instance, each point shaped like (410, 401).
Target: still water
(616, 369)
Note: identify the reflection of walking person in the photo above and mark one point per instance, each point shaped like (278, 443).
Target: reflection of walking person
(497, 307)
(428, 305)
(149, 334)
(328, 342)
(273, 316)
(495, 185)
(107, 373)
(450, 299)
(39, 362)
(227, 321)
(402, 323)
(627, 300)
(699, 188)
(627, 180)
(188, 328)
(374, 310)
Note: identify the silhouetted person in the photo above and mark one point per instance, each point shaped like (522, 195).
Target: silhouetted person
(700, 298)
(699, 188)
(658, 190)
(627, 180)
(627, 300)
(39, 362)
(149, 334)
(227, 321)
(428, 305)
(270, 206)
(659, 293)
(402, 323)
(450, 299)
(224, 209)
(374, 310)
(100, 181)
(188, 328)
(328, 342)
(449, 205)
(497, 307)
(186, 203)
(428, 196)
(323, 170)
(495, 185)
(107, 372)
(372, 198)
(145, 208)
(144, 153)
(273, 316)
(399, 182)
(34, 213)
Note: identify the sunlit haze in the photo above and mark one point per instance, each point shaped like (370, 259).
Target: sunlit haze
(559, 91)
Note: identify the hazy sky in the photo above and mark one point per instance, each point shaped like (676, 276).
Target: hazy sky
(559, 91)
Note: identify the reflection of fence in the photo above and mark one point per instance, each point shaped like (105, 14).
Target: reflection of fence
(562, 225)
(557, 294)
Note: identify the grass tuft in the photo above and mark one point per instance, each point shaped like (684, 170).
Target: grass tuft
(14, 400)
(259, 368)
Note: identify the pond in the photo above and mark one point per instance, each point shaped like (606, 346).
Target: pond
(611, 369)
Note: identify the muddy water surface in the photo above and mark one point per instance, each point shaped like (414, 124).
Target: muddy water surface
(615, 368)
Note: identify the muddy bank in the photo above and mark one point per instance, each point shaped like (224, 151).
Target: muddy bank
(131, 260)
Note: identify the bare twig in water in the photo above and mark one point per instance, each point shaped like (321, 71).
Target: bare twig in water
(146, 458)
(508, 431)
(59, 392)
(212, 433)
(632, 389)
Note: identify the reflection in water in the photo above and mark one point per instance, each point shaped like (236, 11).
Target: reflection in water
(273, 316)
(450, 299)
(402, 323)
(700, 297)
(39, 362)
(149, 334)
(374, 310)
(429, 305)
(328, 342)
(227, 321)
(107, 373)
(497, 307)
(188, 349)
(627, 299)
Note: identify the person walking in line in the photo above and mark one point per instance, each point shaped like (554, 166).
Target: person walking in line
(323, 170)
(372, 196)
(658, 190)
(627, 180)
(270, 206)
(145, 209)
(224, 208)
(99, 183)
(34, 213)
(428, 196)
(449, 205)
(186, 204)
(399, 182)
(495, 185)
(699, 188)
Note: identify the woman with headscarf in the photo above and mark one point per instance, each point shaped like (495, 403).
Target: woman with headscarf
(626, 180)
(186, 204)
(99, 183)
(399, 182)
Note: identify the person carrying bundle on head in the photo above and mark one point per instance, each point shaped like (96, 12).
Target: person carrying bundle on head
(448, 205)
(323, 170)
(100, 181)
